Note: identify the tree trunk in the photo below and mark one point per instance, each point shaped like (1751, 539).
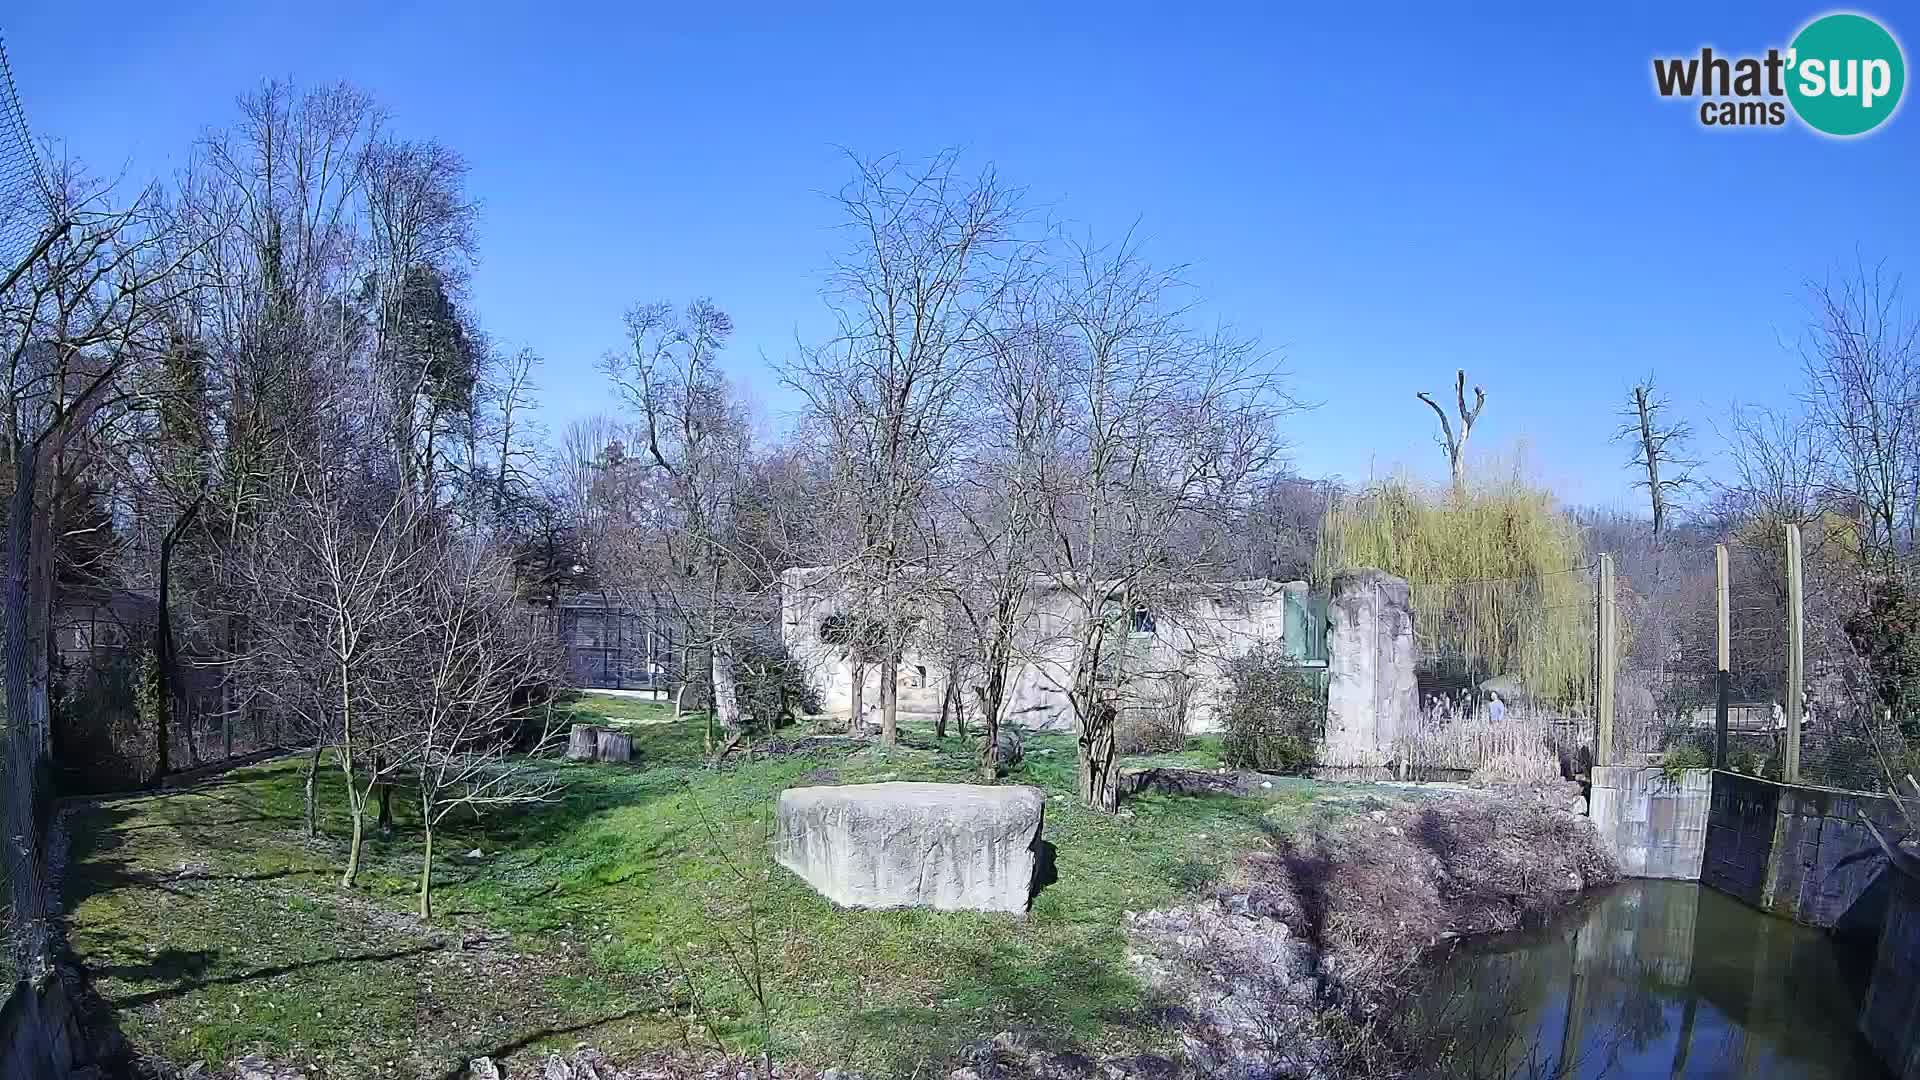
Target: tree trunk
(582, 742)
(859, 701)
(313, 812)
(890, 701)
(385, 823)
(426, 860)
(726, 688)
(613, 746)
(946, 706)
(25, 841)
(166, 688)
(1097, 787)
(357, 808)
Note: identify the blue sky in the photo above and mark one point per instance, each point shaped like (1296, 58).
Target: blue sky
(1381, 197)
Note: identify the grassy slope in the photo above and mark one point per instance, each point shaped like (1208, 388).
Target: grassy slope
(218, 930)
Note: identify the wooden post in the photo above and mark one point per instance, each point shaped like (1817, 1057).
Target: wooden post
(1796, 655)
(1726, 652)
(1608, 626)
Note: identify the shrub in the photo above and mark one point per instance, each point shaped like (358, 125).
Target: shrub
(103, 724)
(1151, 729)
(1273, 712)
(1681, 758)
(771, 685)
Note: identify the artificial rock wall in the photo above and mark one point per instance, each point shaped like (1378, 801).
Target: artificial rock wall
(1655, 826)
(1371, 652)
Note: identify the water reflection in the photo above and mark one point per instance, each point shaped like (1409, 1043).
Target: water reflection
(1658, 979)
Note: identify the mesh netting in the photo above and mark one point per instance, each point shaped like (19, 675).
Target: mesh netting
(23, 204)
(1667, 691)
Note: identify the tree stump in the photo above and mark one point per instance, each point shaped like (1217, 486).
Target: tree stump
(583, 741)
(614, 746)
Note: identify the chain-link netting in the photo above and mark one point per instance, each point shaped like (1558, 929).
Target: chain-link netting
(1506, 675)
(1665, 685)
(23, 202)
(1668, 689)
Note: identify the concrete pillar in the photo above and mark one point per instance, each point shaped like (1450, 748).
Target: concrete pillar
(1371, 694)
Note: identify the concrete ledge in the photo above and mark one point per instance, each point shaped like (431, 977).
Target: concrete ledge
(1654, 827)
(951, 847)
(1890, 1017)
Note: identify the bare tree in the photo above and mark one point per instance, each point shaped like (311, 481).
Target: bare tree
(990, 535)
(1452, 443)
(931, 254)
(473, 664)
(696, 439)
(340, 579)
(1862, 360)
(76, 316)
(1167, 433)
(1659, 450)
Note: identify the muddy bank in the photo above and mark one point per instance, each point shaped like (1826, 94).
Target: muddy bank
(1303, 961)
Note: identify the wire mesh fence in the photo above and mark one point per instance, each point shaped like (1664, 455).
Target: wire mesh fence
(1670, 695)
(23, 205)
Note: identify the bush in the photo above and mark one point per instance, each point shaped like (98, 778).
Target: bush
(1273, 713)
(103, 722)
(1151, 729)
(772, 687)
(1682, 758)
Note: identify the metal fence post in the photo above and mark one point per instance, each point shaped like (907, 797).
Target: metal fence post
(1608, 628)
(1796, 655)
(1725, 634)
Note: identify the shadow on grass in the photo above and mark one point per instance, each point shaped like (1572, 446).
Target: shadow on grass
(1069, 993)
(190, 963)
(507, 1049)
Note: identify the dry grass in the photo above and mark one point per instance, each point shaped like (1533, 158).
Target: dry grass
(1520, 749)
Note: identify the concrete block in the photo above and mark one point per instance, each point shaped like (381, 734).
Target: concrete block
(951, 847)
(1654, 827)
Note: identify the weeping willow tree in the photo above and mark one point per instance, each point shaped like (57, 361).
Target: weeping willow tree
(1498, 581)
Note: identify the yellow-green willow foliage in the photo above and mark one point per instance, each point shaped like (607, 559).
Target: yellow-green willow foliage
(1499, 576)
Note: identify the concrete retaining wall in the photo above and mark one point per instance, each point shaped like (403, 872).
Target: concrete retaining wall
(1890, 1018)
(39, 1038)
(1798, 852)
(1654, 827)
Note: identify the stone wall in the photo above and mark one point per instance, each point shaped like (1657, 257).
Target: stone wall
(1890, 1017)
(1654, 827)
(1799, 852)
(1192, 629)
(1371, 652)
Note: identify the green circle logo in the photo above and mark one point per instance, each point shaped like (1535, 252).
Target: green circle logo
(1845, 74)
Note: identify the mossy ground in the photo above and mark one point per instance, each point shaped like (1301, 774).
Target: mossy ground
(628, 913)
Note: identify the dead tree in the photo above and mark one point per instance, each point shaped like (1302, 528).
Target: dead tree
(1659, 451)
(1453, 443)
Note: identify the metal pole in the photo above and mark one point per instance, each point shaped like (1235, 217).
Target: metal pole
(1796, 655)
(1608, 627)
(1725, 633)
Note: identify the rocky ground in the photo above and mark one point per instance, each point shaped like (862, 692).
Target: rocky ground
(1300, 962)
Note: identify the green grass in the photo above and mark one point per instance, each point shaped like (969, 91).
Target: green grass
(218, 930)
